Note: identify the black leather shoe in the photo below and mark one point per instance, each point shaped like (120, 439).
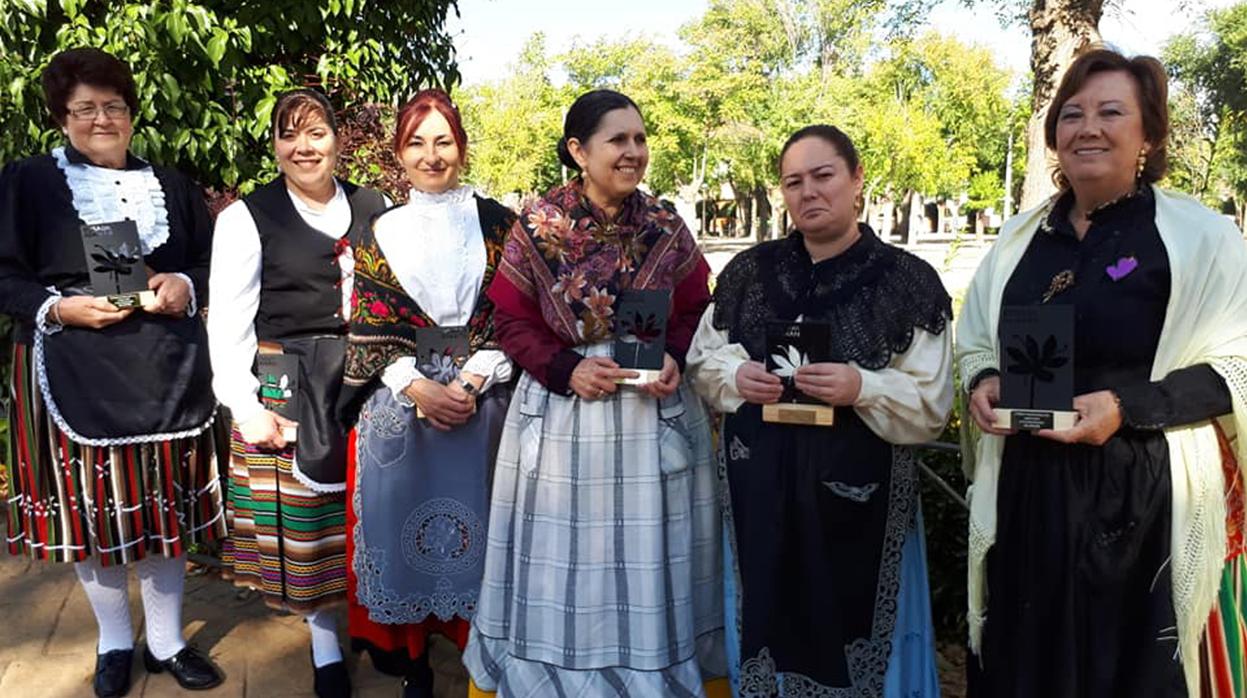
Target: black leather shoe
(112, 673)
(192, 670)
(332, 681)
(419, 680)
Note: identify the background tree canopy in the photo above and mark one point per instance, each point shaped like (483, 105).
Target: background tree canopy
(930, 114)
(208, 71)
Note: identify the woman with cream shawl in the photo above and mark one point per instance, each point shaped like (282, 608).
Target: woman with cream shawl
(1105, 560)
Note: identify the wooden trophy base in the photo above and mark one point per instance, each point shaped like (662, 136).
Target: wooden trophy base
(136, 299)
(799, 413)
(1030, 420)
(290, 434)
(644, 375)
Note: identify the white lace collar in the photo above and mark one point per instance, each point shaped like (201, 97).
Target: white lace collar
(458, 195)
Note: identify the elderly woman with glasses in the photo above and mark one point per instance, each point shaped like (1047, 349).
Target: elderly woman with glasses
(111, 459)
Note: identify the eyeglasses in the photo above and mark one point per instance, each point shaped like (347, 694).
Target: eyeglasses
(88, 112)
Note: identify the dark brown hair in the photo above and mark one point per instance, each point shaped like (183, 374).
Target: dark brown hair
(832, 135)
(1151, 89)
(295, 107)
(414, 112)
(585, 116)
(85, 66)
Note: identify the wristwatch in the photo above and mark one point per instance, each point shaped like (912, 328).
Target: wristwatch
(468, 387)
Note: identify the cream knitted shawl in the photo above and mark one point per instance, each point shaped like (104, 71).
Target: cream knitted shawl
(1205, 322)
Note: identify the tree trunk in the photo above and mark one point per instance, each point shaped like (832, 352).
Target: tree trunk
(1060, 29)
(906, 212)
(744, 214)
(762, 210)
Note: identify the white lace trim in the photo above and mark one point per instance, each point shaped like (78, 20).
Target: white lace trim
(974, 364)
(457, 195)
(318, 487)
(41, 315)
(105, 195)
(50, 403)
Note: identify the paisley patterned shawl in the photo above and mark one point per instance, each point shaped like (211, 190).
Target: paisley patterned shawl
(384, 318)
(566, 254)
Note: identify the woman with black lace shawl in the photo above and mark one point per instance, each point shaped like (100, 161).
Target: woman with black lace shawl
(826, 567)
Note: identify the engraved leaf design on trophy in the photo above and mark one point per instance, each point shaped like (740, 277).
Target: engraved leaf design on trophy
(640, 330)
(115, 262)
(1035, 362)
(788, 360)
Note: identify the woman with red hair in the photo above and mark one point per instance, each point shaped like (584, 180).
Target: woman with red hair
(430, 389)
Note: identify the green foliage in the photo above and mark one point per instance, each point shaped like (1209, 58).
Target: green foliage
(928, 114)
(930, 117)
(1208, 152)
(208, 71)
(513, 126)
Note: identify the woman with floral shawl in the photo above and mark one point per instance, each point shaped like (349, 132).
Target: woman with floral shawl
(601, 573)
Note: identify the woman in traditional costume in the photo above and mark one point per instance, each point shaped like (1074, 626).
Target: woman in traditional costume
(826, 564)
(602, 566)
(280, 284)
(428, 431)
(1106, 559)
(111, 455)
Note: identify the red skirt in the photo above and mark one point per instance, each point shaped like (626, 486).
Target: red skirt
(388, 644)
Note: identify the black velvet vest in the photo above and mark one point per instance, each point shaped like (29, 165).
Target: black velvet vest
(300, 282)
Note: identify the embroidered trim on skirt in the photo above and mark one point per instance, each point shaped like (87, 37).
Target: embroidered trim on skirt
(286, 541)
(603, 567)
(68, 502)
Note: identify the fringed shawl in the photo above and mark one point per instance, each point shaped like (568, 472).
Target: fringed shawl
(1205, 323)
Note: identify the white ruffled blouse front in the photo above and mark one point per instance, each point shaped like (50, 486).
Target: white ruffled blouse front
(436, 250)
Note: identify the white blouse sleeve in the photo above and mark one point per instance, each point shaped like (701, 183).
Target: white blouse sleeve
(909, 401)
(400, 374)
(492, 364)
(234, 293)
(711, 365)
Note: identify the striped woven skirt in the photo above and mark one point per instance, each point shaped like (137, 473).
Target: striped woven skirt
(286, 541)
(1223, 660)
(68, 501)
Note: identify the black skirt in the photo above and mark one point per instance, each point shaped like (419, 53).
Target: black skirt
(1080, 601)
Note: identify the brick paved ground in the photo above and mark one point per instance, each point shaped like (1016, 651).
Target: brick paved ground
(47, 641)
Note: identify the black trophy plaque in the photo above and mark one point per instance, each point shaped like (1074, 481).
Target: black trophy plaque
(279, 387)
(1037, 371)
(115, 263)
(641, 334)
(789, 346)
(441, 353)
